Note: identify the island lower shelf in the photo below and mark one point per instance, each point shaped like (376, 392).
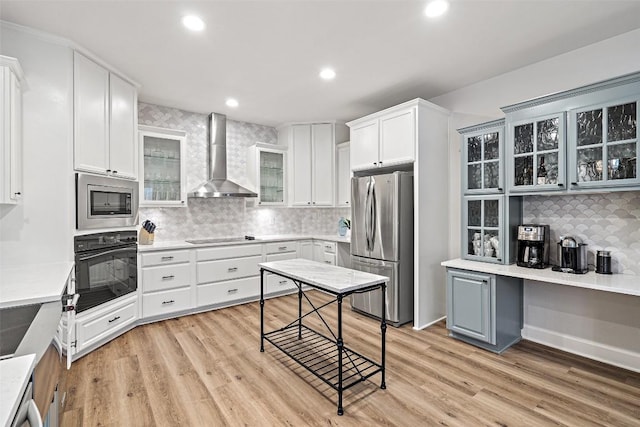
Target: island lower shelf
(318, 354)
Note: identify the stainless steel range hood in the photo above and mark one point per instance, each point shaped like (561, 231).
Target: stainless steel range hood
(218, 185)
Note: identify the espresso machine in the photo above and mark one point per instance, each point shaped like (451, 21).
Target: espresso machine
(572, 256)
(533, 246)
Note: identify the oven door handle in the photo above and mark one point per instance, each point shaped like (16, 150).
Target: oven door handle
(112, 251)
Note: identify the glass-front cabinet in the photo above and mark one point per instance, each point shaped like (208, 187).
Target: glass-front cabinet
(482, 158)
(162, 167)
(482, 231)
(537, 148)
(266, 171)
(604, 145)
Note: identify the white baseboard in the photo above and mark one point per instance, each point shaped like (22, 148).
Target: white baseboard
(417, 328)
(590, 349)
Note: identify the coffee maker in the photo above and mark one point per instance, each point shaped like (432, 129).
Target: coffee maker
(572, 256)
(533, 246)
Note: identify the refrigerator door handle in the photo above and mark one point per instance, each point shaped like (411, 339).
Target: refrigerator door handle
(374, 218)
(366, 215)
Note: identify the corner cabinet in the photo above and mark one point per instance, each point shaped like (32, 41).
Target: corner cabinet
(343, 181)
(266, 171)
(163, 171)
(383, 139)
(484, 309)
(311, 162)
(12, 85)
(105, 120)
(483, 158)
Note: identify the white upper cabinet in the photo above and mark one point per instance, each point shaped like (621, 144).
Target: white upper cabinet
(343, 191)
(11, 87)
(386, 138)
(312, 162)
(105, 121)
(364, 145)
(266, 171)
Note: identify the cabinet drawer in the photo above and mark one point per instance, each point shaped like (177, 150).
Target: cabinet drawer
(166, 302)
(275, 283)
(164, 257)
(165, 277)
(329, 258)
(231, 290)
(223, 252)
(280, 247)
(97, 327)
(329, 247)
(280, 257)
(225, 269)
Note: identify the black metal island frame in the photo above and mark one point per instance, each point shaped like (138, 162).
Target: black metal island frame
(325, 356)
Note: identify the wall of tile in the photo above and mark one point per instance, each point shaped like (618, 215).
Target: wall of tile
(603, 221)
(226, 217)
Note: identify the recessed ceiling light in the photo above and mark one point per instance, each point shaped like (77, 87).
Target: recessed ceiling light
(327, 74)
(436, 8)
(232, 102)
(193, 23)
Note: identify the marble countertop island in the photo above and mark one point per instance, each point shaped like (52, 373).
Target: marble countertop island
(331, 278)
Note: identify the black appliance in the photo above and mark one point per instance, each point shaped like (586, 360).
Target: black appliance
(533, 246)
(106, 267)
(572, 256)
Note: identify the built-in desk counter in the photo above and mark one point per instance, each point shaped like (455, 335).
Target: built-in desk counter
(616, 283)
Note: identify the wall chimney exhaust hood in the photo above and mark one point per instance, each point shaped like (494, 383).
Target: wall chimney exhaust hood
(218, 185)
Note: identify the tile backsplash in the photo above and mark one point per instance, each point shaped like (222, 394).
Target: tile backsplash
(608, 221)
(226, 217)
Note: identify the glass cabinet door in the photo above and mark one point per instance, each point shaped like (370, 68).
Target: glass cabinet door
(163, 167)
(537, 147)
(482, 228)
(483, 161)
(271, 172)
(604, 145)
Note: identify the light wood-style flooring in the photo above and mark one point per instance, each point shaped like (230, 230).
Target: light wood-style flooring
(207, 370)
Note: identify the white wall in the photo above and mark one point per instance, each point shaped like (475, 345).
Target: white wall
(553, 314)
(40, 228)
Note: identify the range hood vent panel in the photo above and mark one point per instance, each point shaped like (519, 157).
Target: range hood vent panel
(218, 185)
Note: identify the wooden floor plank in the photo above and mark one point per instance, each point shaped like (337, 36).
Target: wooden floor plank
(207, 370)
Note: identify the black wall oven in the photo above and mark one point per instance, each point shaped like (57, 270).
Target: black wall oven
(106, 267)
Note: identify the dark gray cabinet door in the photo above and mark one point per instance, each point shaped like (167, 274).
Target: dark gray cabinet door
(470, 305)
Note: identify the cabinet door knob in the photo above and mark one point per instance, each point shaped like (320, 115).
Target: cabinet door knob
(560, 184)
(108, 170)
(114, 171)
(574, 183)
(308, 203)
(18, 193)
(314, 203)
(375, 163)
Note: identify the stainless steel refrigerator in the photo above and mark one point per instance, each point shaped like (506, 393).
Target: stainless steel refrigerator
(382, 242)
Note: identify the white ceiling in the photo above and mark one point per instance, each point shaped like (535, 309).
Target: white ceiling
(268, 53)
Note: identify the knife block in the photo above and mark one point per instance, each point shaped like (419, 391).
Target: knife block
(145, 238)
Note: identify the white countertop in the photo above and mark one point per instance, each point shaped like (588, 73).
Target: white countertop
(324, 276)
(14, 377)
(33, 284)
(181, 244)
(616, 283)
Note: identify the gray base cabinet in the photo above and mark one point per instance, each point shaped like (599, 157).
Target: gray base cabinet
(484, 309)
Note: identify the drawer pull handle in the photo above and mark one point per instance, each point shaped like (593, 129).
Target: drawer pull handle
(282, 248)
(168, 277)
(166, 258)
(232, 269)
(328, 247)
(328, 262)
(114, 319)
(168, 302)
(232, 291)
(282, 282)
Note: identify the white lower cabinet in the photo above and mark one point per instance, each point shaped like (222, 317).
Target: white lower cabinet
(108, 320)
(228, 291)
(165, 302)
(166, 283)
(275, 284)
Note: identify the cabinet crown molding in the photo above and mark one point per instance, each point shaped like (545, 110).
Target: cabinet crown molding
(481, 126)
(583, 90)
(417, 102)
(16, 68)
